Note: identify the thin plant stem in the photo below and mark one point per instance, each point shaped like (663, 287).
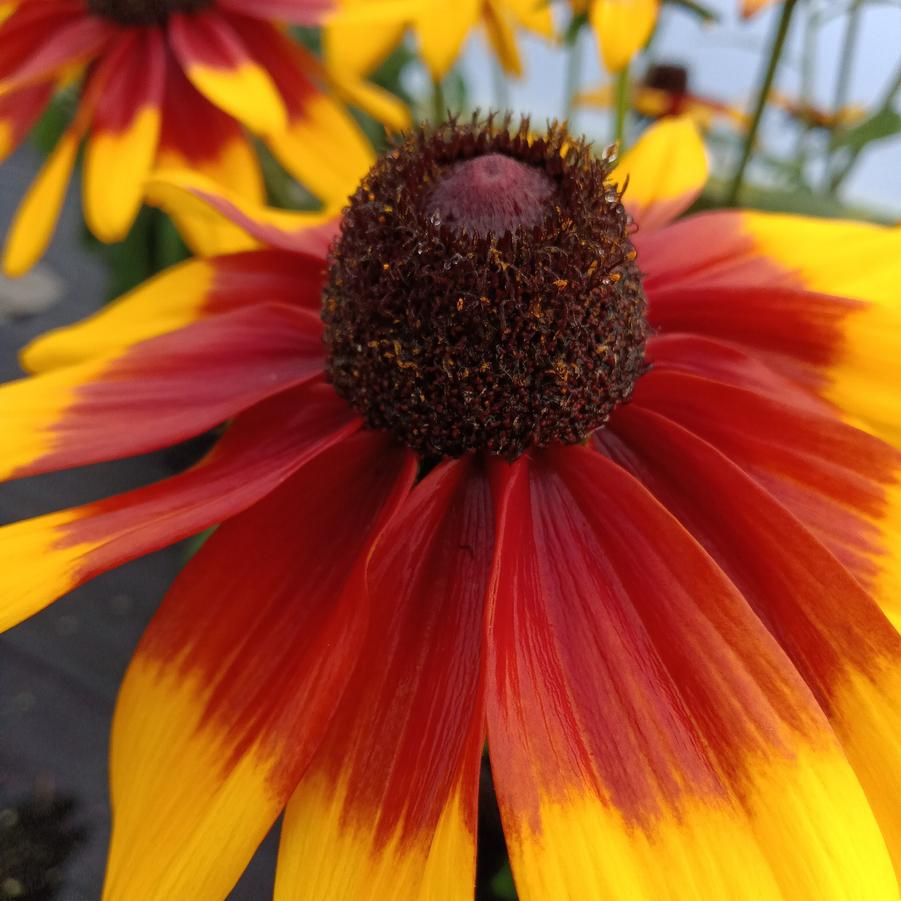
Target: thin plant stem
(439, 106)
(622, 108)
(763, 93)
(843, 77)
(808, 77)
(888, 100)
(846, 60)
(573, 75)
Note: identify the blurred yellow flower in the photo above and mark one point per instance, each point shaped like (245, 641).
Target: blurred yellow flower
(371, 29)
(622, 27)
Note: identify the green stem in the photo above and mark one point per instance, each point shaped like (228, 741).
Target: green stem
(622, 108)
(439, 107)
(808, 76)
(843, 75)
(846, 61)
(888, 100)
(573, 77)
(763, 94)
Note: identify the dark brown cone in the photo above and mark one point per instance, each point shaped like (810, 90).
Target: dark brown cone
(143, 12)
(456, 335)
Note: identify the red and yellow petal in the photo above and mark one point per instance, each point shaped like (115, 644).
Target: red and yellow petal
(322, 146)
(841, 482)
(43, 558)
(19, 110)
(861, 262)
(181, 192)
(663, 173)
(41, 40)
(218, 63)
(124, 132)
(849, 346)
(186, 293)
(387, 809)
(622, 27)
(240, 671)
(35, 219)
(325, 150)
(298, 12)
(836, 636)
(157, 392)
(648, 737)
(198, 136)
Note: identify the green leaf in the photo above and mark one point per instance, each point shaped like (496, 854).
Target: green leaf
(502, 883)
(883, 124)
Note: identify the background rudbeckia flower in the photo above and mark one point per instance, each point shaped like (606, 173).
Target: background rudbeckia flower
(441, 28)
(812, 116)
(172, 83)
(664, 91)
(673, 634)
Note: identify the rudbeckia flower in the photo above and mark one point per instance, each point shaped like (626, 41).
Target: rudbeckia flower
(625, 504)
(169, 82)
(811, 116)
(664, 91)
(441, 28)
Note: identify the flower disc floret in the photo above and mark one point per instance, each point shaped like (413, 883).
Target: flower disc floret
(483, 293)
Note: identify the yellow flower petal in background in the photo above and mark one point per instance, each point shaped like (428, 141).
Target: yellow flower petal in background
(34, 221)
(124, 134)
(198, 136)
(622, 28)
(502, 38)
(442, 30)
(185, 191)
(235, 165)
(382, 105)
(218, 64)
(360, 35)
(325, 149)
(666, 169)
(354, 48)
(535, 17)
